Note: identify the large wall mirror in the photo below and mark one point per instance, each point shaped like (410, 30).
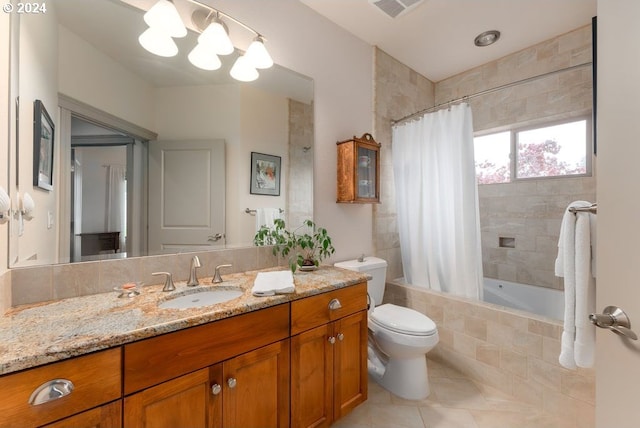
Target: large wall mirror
(151, 155)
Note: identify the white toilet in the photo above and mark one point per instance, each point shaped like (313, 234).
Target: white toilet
(399, 337)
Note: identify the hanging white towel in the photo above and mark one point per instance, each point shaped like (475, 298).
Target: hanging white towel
(584, 346)
(271, 283)
(266, 217)
(574, 263)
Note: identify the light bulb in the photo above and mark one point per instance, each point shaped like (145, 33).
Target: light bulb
(258, 55)
(203, 57)
(215, 36)
(165, 17)
(243, 70)
(157, 42)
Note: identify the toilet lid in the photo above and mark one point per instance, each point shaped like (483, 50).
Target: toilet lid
(403, 320)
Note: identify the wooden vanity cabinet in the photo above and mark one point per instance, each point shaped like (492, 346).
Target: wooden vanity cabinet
(96, 378)
(107, 416)
(229, 373)
(358, 174)
(328, 356)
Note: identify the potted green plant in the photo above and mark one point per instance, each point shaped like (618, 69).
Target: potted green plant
(305, 246)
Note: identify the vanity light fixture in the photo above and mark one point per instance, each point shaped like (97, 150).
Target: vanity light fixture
(487, 38)
(165, 24)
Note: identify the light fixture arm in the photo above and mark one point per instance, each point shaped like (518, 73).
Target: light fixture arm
(224, 15)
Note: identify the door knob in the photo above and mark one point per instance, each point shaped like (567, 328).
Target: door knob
(616, 320)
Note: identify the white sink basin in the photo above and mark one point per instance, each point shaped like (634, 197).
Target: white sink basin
(199, 299)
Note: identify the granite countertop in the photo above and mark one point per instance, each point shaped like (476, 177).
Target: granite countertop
(32, 335)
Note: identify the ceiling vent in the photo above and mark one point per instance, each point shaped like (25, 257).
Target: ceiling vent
(395, 8)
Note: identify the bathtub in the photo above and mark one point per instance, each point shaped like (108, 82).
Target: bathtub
(542, 301)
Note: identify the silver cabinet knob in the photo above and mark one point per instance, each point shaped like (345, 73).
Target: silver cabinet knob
(51, 390)
(216, 389)
(332, 340)
(616, 320)
(334, 304)
(232, 382)
(340, 337)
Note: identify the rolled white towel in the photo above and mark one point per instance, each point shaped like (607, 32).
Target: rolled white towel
(272, 283)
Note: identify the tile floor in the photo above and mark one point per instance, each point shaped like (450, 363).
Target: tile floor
(455, 402)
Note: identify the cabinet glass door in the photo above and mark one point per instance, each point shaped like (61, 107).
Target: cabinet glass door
(366, 181)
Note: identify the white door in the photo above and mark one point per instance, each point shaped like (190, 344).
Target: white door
(186, 195)
(618, 241)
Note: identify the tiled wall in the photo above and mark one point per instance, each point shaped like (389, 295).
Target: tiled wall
(398, 91)
(51, 282)
(508, 350)
(531, 213)
(301, 132)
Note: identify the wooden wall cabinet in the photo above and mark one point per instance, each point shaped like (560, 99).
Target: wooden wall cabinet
(358, 170)
(328, 356)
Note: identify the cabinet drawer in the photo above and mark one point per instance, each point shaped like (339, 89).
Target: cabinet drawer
(314, 311)
(155, 360)
(96, 380)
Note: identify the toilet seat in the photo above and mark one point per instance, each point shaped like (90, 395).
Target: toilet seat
(403, 320)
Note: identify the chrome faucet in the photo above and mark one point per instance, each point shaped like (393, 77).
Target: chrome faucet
(193, 279)
(216, 276)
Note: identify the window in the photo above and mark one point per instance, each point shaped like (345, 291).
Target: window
(493, 160)
(557, 150)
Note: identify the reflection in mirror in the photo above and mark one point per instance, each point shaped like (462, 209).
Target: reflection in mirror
(121, 113)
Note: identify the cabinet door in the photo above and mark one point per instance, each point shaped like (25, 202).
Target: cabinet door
(181, 402)
(256, 388)
(350, 363)
(107, 416)
(312, 378)
(367, 173)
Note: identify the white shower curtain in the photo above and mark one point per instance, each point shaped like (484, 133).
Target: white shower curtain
(437, 202)
(116, 215)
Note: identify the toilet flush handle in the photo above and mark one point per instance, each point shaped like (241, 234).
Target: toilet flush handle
(335, 304)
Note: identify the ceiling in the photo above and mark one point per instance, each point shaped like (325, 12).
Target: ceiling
(435, 38)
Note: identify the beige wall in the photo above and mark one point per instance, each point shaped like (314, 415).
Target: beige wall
(529, 211)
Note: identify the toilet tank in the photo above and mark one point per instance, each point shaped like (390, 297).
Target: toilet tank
(373, 266)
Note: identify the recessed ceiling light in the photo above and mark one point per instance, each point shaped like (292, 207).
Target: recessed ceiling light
(487, 38)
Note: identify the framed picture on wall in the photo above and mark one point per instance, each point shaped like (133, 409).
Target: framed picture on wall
(265, 174)
(43, 133)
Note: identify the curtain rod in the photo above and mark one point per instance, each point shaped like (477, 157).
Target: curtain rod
(488, 91)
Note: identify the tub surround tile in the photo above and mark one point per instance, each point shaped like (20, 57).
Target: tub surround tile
(518, 356)
(36, 334)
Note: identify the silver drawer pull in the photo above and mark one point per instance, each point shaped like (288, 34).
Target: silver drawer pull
(340, 337)
(332, 340)
(232, 382)
(216, 389)
(51, 390)
(335, 304)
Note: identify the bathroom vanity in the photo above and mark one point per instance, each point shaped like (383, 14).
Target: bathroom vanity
(286, 360)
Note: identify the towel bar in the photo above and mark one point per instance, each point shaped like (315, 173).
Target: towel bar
(593, 208)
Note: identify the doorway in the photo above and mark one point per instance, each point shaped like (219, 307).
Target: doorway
(101, 161)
